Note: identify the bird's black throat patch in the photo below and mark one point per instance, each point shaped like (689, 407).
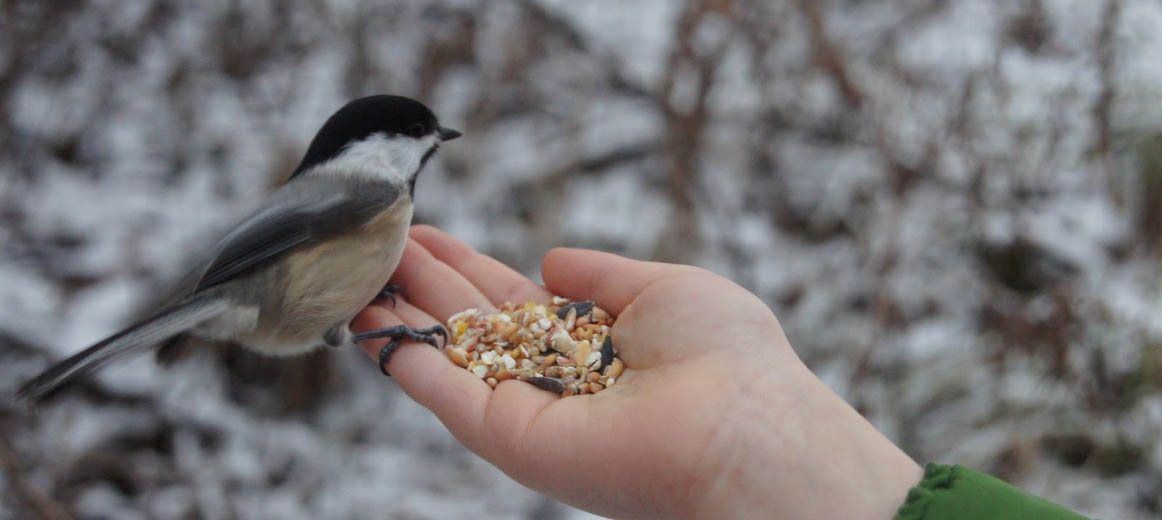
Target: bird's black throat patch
(423, 160)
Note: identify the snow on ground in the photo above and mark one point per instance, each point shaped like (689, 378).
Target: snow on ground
(954, 207)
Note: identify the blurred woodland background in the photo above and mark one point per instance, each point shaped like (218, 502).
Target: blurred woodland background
(953, 206)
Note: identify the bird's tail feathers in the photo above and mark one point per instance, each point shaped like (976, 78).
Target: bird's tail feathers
(135, 338)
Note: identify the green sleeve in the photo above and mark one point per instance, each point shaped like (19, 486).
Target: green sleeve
(959, 493)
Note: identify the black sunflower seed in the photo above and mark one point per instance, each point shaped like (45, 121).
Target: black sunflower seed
(606, 353)
(550, 384)
(583, 308)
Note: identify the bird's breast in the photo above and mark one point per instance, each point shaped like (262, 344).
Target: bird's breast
(331, 282)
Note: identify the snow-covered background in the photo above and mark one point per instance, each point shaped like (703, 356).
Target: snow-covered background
(953, 206)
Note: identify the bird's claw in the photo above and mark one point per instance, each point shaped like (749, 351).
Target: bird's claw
(389, 291)
(401, 332)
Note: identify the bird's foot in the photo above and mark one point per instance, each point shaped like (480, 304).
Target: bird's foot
(401, 332)
(388, 293)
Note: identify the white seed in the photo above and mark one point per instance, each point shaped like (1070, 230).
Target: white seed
(479, 370)
(508, 361)
(561, 341)
(464, 314)
(571, 320)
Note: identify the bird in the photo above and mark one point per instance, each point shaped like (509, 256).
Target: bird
(291, 276)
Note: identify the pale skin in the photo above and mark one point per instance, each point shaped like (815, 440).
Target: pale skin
(715, 416)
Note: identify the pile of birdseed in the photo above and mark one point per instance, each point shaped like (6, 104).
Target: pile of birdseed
(563, 347)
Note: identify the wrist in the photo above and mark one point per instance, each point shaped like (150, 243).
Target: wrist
(804, 453)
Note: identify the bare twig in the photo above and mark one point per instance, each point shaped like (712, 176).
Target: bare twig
(686, 124)
(1106, 61)
(827, 55)
(40, 505)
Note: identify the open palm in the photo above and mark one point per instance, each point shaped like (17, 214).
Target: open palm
(706, 363)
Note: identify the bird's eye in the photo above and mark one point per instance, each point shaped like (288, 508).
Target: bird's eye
(418, 129)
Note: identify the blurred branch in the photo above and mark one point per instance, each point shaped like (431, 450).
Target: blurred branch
(1106, 61)
(41, 506)
(11, 341)
(686, 122)
(443, 52)
(827, 55)
(599, 163)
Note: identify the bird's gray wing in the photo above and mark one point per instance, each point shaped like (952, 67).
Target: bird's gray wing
(299, 213)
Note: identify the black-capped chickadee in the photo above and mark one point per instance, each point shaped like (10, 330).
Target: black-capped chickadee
(293, 275)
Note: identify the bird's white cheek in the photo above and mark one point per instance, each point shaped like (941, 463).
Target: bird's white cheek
(392, 159)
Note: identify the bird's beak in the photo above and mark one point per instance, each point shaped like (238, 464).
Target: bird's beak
(447, 134)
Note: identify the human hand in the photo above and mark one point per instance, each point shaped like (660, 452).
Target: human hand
(714, 417)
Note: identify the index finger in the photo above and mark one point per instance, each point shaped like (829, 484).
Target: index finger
(497, 281)
(456, 396)
(434, 286)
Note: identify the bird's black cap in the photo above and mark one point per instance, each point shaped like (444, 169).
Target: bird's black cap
(369, 115)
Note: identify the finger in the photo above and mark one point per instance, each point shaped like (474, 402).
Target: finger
(610, 280)
(456, 396)
(434, 287)
(491, 423)
(498, 282)
(513, 407)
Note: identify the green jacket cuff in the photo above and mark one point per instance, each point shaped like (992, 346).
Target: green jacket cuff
(959, 493)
